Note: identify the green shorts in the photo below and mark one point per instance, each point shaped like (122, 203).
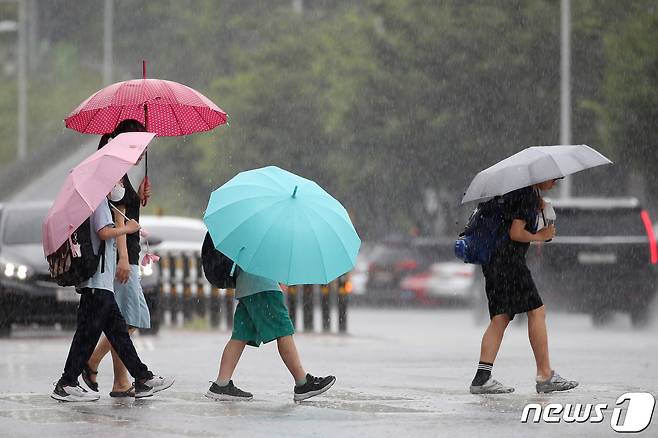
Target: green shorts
(261, 318)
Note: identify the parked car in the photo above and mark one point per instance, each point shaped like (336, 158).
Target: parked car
(392, 262)
(603, 259)
(174, 233)
(179, 241)
(27, 293)
(443, 283)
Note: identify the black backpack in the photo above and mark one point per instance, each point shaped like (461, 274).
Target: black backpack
(69, 268)
(216, 266)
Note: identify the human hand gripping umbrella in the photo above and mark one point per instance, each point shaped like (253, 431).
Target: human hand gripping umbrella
(164, 107)
(531, 166)
(88, 184)
(277, 225)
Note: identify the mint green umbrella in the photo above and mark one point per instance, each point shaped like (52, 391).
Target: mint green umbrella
(281, 226)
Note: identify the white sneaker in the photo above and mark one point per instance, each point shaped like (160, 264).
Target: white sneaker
(76, 393)
(491, 386)
(554, 383)
(152, 385)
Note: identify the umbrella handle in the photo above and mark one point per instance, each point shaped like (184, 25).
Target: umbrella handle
(146, 183)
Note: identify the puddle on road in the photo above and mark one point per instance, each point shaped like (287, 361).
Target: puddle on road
(40, 408)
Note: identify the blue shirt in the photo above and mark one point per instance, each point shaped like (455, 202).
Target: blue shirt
(103, 278)
(250, 284)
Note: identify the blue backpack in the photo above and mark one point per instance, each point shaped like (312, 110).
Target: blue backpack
(483, 233)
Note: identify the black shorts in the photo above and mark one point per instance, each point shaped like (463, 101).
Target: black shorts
(510, 287)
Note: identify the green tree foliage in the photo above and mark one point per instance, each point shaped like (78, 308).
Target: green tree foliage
(376, 100)
(631, 88)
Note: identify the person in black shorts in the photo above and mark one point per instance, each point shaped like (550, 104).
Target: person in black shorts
(510, 290)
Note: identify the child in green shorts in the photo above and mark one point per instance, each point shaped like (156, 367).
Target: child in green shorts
(261, 316)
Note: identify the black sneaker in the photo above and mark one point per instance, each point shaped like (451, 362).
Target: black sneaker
(72, 393)
(313, 387)
(228, 392)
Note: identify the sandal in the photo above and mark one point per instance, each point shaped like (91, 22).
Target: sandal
(86, 376)
(130, 392)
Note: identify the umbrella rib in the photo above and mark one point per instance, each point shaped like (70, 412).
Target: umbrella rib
(91, 119)
(290, 253)
(176, 117)
(338, 237)
(332, 210)
(201, 117)
(266, 231)
(315, 237)
(118, 120)
(245, 199)
(274, 180)
(245, 220)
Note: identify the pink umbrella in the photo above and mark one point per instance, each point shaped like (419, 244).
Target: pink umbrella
(164, 107)
(88, 184)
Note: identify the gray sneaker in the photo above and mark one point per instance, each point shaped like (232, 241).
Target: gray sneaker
(491, 386)
(555, 383)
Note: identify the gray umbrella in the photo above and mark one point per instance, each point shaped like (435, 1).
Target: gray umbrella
(531, 166)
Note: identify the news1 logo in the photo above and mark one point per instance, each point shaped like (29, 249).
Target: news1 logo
(638, 413)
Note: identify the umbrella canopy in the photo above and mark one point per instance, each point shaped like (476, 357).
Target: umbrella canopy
(531, 166)
(164, 107)
(281, 226)
(88, 184)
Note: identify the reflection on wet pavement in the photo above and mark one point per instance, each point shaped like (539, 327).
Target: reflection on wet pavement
(400, 373)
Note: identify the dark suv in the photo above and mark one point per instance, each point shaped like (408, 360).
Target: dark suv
(27, 293)
(603, 259)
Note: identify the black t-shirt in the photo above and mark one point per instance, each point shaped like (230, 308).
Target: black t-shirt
(132, 203)
(520, 204)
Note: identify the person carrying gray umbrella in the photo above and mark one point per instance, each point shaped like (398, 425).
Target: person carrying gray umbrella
(516, 184)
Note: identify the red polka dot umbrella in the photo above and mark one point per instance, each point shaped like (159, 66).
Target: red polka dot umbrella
(164, 107)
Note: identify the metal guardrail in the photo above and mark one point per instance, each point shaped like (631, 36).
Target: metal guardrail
(185, 294)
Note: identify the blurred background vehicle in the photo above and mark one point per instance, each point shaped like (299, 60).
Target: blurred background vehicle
(449, 283)
(417, 271)
(360, 274)
(177, 240)
(27, 293)
(603, 259)
(174, 233)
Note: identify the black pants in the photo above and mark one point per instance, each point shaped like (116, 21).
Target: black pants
(98, 312)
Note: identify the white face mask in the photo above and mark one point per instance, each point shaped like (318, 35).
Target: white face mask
(117, 193)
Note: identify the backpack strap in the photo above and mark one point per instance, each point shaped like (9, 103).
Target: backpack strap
(101, 248)
(499, 207)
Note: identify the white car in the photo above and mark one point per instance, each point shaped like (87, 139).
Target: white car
(174, 233)
(451, 282)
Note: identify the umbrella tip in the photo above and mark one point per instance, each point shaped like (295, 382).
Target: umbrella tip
(294, 192)
(143, 68)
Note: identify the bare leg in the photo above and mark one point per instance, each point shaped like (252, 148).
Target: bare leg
(538, 336)
(230, 358)
(102, 348)
(493, 337)
(122, 381)
(288, 352)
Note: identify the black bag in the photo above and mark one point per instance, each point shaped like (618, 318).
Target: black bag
(75, 261)
(216, 266)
